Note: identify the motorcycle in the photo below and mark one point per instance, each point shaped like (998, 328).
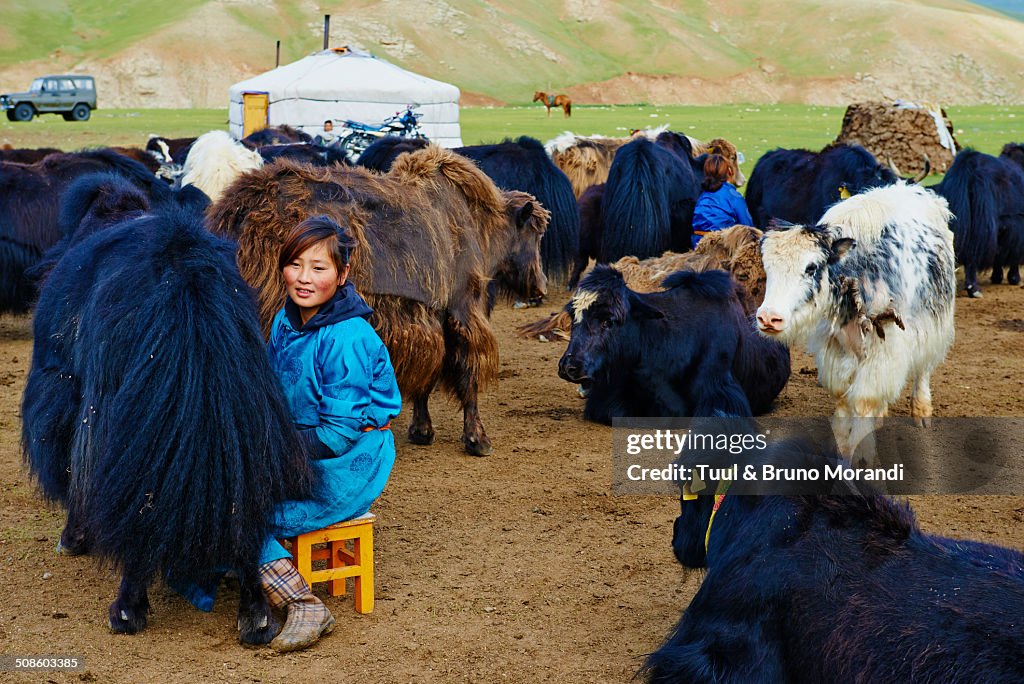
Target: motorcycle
(402, 124)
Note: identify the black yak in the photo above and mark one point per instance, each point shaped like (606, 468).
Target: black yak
(648, 202)
(275, 135)
(522, 164)
(686, 351)
(380, 155)
(798, 185)
(838, 589)
(151, 412)
(29, 201)
(303, 153)
(986, 196)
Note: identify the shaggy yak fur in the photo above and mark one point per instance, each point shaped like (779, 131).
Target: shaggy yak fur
(100, 200)
(798, 185)
(736, 250)
(584, 161)
(152, 413)
(986, 196)
(587, 160)
(29, 201)
(646, 206)
(215, 160)
(523, 165)
(685, 351)
(26, 155)
(303, 153)
(381, 154)
(432, 233)
(839, 589)
(276, 135)
(1014, 152)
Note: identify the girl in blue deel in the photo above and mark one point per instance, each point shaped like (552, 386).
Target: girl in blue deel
(720, 205)
(341, 388)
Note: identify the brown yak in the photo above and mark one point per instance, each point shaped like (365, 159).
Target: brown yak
(433, 232)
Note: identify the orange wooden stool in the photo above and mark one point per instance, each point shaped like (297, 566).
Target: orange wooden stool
(342, 563)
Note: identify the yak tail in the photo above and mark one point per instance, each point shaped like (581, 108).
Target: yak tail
(554, 327)
(635, 210)
(972, 200)
(184, 443)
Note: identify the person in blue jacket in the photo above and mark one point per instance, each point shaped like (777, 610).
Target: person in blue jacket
(720, 205)
(341, 389)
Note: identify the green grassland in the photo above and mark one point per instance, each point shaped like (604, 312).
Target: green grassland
(754, 129)
(505, 50)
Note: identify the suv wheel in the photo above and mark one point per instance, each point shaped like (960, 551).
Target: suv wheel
(81, 112)
(24, 112)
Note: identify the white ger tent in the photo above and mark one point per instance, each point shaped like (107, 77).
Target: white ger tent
(339, 84)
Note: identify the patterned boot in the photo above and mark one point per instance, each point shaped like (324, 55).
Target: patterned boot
(308, 618)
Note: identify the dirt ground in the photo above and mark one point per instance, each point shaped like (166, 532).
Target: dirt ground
(520, 567)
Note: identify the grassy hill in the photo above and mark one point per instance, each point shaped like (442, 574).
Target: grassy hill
(666, 51)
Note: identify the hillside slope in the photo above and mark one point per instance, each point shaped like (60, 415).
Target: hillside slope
(187, 53)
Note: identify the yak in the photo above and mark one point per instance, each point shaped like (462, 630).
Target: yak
(879, 261)
(276, 135)
(647, 210)
(152, 413)
(797, 186)
(686, 351)
(381, 154)
(648, 202)
(1014, 152)
(522, 164)
(29, 202)
(986, 196)
(835, 588)
(433, 232)
(303, 153)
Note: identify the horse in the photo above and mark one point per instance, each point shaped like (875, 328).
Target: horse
(550, 101)
(433, 232)
(152, 413)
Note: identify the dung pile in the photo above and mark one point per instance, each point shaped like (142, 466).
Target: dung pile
(902, 132)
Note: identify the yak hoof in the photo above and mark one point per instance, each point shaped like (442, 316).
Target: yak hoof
(477, 447)
(923, 421)
(258, 627)
(1013, 280)
(71, 545)
(125, 620)
(422, 437)
(974, 293)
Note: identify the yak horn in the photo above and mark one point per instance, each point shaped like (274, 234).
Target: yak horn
(892, 165)
(921, 176)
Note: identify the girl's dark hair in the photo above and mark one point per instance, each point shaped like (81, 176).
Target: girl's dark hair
(716, 172)
(313, 230)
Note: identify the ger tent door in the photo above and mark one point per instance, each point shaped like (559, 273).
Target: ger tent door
(254, 112)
